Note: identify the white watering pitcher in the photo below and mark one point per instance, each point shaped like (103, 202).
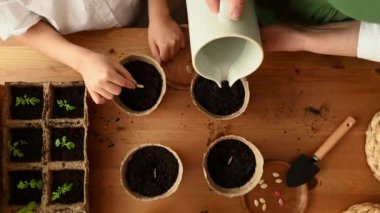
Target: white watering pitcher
(223, 49)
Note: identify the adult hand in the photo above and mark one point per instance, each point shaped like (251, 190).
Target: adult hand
(235, 9)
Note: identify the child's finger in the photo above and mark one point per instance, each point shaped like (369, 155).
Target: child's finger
(174, 50)
(170, 53)
(104, 93)
(154, 50)
(183, 42)
(177, 47)
(96, 97)
(112, 88)
(164, 53)
(118, 79)
(130, 81)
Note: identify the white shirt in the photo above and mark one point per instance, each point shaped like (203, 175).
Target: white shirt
(369, 42)
(66, 16)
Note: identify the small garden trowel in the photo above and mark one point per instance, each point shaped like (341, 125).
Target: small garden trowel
(304, 168)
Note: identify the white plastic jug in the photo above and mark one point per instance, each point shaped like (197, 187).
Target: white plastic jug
(223, 49)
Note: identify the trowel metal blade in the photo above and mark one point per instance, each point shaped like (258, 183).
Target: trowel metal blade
(301, 171)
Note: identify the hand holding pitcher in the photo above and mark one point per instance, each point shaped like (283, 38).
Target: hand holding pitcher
(223, 49)
(235, 8)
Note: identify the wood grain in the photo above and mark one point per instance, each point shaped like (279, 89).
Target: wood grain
(275, 120)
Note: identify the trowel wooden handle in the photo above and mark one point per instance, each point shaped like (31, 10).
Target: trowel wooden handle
(335, 137)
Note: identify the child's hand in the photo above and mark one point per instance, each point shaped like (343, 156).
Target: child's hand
(165, 38)
(103, 77)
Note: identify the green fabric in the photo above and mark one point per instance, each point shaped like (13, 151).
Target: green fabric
(266, 16)
(314, 12)
(271, 11)
(308, 12)
(364, 10)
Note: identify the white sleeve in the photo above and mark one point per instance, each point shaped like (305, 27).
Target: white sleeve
(15, 19)
(369, 41)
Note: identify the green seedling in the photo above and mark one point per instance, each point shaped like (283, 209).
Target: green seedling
(25, 100)
(14, 148)
(29, 208)
(33, 184)
(62, 190)
(64, 143)
(66, 105)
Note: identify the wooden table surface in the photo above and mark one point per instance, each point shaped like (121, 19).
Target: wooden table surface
(276, 122)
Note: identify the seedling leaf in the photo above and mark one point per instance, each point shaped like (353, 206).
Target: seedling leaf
(29, 208)
(62, 143)
(55, 196)
(70, 145)
(22, 185)
(18, 153)
(33, 184)
(25, 100)
(57, 142)
(39, 185)
(64, 104)
(61, 191)
(14, 148)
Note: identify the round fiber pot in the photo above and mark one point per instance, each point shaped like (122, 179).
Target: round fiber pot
(232, 166)
(150, 172)
(147, 72)
(220, 103)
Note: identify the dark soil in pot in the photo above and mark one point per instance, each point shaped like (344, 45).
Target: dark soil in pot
(219, 101)
(151, 171)
(231, 163)
(142, 99)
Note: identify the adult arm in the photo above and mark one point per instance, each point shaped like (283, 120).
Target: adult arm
(339, 38)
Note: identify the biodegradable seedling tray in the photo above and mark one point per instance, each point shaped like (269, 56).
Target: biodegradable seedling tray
(44, 155)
